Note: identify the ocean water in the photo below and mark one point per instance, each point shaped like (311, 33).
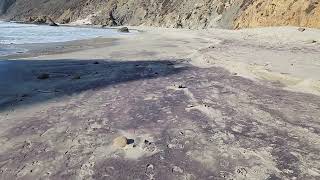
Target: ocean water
(14, 34)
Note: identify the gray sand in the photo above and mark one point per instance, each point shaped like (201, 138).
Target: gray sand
(189, 119)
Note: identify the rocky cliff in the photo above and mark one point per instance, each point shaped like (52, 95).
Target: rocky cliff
(280, 12)
(169, 13)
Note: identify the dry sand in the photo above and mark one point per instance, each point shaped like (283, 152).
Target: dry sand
(207, 104)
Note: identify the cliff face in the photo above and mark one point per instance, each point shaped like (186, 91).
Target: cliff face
(169, 13)
(280, 12)
(166, 13)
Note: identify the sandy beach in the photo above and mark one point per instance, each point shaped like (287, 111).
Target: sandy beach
(197, 104)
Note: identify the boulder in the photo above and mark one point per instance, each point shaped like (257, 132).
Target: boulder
(75, 77)
(123, 29)
(43, 76)
(51, 22)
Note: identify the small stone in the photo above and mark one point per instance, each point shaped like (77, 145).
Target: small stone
(96, 62)
(313, 41)
(43, 76)
(182, 86)
(177, 169)
(120, 142)
(301, 29)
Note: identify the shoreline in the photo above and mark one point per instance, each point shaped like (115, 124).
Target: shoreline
(39, 49)
(34, 50)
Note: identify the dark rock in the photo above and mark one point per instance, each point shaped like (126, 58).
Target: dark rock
(123, 29)
(43, 76)
(179, 25)
(24, 95)
(51, 22)
(130, 141)
(76, 77)
(301, 29)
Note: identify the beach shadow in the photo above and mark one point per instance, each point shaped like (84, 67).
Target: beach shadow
(31, 81)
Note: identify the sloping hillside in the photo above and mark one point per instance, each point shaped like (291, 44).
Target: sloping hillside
(170, 13)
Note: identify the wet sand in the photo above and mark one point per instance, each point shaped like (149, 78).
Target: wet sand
(33, 50)
(207, 104)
